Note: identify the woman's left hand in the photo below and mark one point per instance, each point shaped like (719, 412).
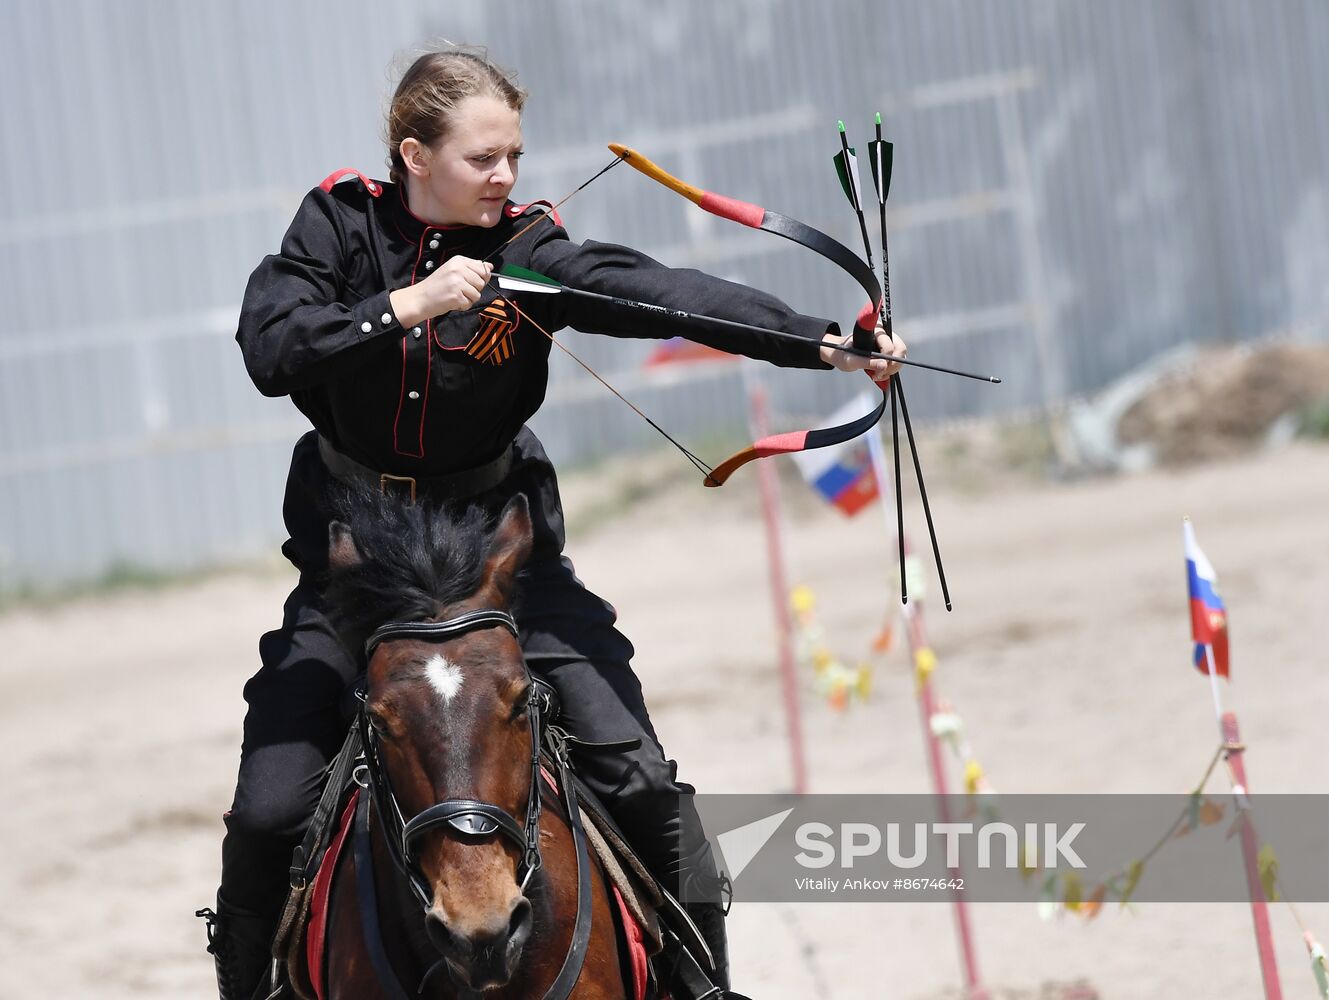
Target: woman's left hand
(879, 368)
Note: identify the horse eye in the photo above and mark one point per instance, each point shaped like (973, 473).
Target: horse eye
(378, 724)
(522, 706)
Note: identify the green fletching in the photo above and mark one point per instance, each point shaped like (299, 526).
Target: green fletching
(512, 278)
(513, 271)
(842, 171)
(846, 168)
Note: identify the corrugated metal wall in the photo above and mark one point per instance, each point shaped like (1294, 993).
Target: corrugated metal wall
(1078, 186)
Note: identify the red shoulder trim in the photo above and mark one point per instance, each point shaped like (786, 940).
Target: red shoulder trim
(372, 186)
(514, 211)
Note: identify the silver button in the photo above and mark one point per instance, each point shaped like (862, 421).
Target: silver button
(386, 319)
(429, 265)
(413, 394)
(366, 327)
(416, 333)
(433, 244)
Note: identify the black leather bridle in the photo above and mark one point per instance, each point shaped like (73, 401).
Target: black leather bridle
(468, 817)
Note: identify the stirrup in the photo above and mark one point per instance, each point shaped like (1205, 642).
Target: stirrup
(681, 966)
(236, 979)
(704, 889)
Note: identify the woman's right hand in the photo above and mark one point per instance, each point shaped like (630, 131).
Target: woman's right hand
(458, 284)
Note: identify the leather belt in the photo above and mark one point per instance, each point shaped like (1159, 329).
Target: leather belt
(454, 486)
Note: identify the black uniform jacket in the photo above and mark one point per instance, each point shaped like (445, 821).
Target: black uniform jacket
(454, 392)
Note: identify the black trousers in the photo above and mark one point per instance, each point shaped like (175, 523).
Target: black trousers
(295, 724)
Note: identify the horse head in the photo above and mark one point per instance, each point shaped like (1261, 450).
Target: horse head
(450, 719)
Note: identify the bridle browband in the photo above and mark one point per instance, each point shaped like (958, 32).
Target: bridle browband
(440, 631)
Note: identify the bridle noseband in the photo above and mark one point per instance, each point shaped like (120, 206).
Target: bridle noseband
(471, 818)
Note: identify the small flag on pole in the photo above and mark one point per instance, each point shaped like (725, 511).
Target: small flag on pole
(1208, 614)
(842, 473)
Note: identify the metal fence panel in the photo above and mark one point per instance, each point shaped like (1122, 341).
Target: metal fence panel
(1078, 187)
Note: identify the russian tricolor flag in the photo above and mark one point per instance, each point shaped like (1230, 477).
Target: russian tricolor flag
(1208, 615)
(843, 472)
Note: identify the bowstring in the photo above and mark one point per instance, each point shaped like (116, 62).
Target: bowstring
(563, 201)
(697, 462)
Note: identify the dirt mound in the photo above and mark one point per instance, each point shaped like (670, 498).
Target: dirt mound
(1227, 403)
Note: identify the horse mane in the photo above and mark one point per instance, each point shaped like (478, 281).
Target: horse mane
(415, 559)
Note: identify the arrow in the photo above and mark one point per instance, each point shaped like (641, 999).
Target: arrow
(512, 278)
(880, 155)
(846, 165)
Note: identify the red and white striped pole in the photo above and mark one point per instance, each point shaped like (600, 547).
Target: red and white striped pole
(923, 659)
(770, 508)
(1250, 852)
(1200, 569)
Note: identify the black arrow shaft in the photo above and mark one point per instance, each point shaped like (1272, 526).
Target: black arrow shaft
(728, 324)
(885, 252)
(851, 172)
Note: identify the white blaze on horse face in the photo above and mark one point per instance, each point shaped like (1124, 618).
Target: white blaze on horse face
(443, 677)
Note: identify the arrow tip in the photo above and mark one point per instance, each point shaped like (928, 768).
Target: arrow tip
(878, 117)
(840, 126)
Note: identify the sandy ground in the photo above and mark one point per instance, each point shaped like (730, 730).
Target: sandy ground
(1066, 655)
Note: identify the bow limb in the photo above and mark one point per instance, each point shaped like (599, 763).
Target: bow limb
(756, 217)
(793, 441)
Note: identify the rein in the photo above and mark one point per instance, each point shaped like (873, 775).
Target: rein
(471, 818)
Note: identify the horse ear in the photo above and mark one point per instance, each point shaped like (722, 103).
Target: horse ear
(509, 548)
(342, 550)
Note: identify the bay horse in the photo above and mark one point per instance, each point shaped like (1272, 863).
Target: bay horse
(466, 864)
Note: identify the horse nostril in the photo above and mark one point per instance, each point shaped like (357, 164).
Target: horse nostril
(519, 925)
(484, 956)
(440, 936)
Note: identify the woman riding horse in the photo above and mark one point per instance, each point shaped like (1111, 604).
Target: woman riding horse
(378, 318)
